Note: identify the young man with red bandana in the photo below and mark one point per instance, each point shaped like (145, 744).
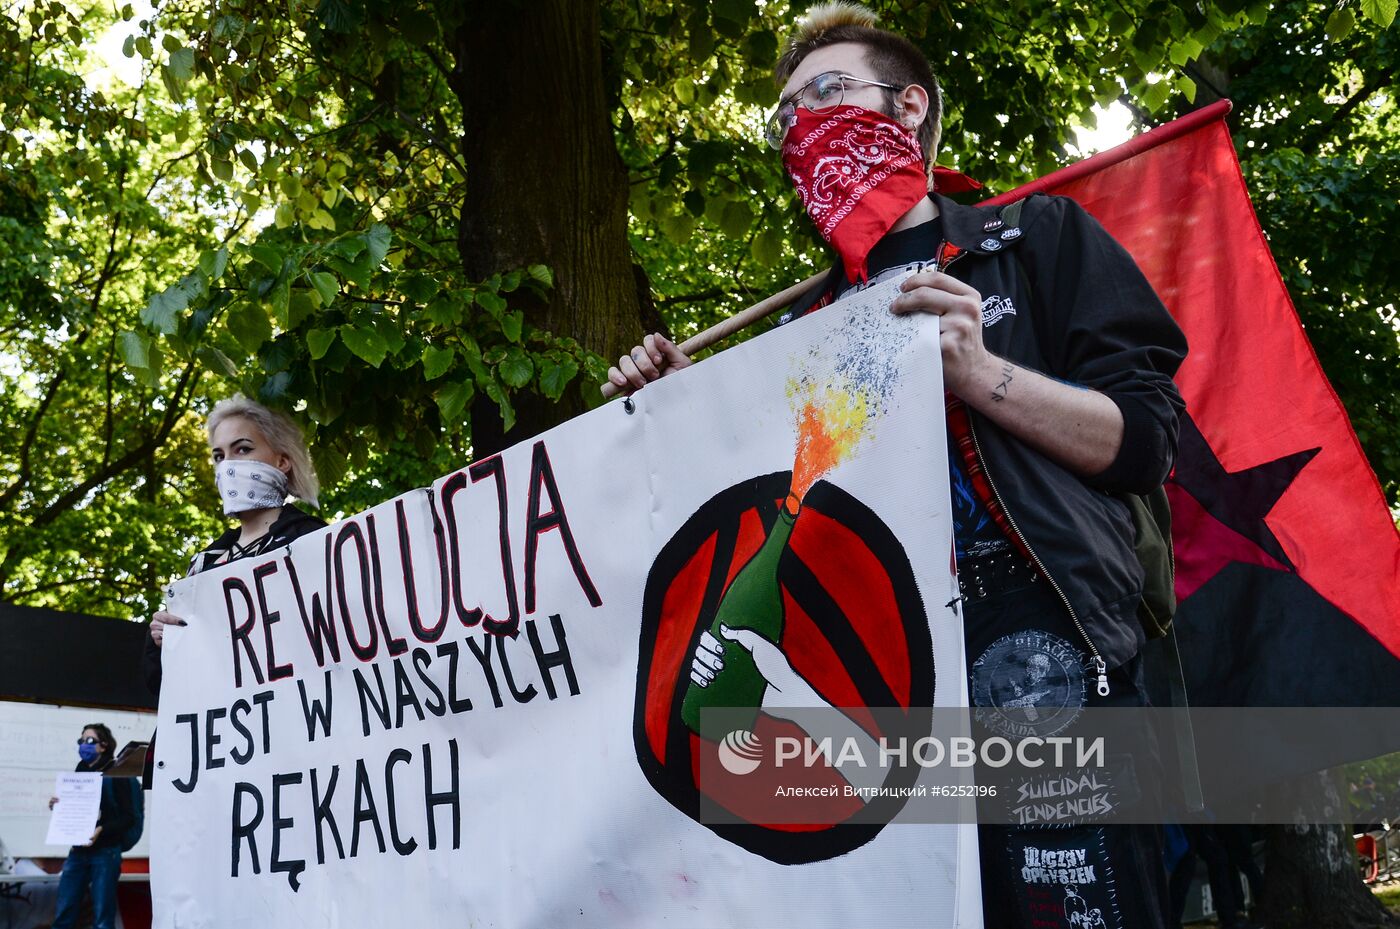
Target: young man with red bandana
(1058, 361)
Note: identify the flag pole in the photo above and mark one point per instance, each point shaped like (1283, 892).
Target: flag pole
(1134, 146)
(741, 320)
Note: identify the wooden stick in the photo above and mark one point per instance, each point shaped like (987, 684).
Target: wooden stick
(741, 320)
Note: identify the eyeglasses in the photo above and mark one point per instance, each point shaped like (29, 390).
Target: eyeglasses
(821, 94)
(89, 740)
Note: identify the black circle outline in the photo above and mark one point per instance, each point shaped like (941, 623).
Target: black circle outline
(720, 516)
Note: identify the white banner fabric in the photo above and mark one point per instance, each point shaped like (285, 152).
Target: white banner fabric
(472, 704)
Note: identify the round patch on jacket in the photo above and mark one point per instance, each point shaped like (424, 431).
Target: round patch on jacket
(1028, 683)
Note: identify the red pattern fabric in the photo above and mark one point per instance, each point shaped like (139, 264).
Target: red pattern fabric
(857, 172)
(960, 431)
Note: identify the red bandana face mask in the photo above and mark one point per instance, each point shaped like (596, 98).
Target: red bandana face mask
(857, 172)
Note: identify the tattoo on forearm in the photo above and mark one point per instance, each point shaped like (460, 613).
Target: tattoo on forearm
(999, 392)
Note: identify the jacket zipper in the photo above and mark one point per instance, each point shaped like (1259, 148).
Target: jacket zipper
(1100, 666)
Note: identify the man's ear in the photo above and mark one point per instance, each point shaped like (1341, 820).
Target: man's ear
(912, 105)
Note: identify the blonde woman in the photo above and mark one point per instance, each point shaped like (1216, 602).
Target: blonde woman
(259, 458)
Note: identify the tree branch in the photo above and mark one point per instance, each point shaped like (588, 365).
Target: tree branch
(1313, 137)
(179, 399)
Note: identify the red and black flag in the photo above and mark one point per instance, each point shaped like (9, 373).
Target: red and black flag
(1287, 559)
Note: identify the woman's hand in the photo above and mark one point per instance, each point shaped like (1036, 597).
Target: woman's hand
(53, 801)
(158, 623)
(95, 833)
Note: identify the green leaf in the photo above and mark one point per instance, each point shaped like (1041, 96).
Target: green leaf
(437, 361)
(491, 303)
(555, 377)
(516, 368)
(366, 343)
(678, 227)
(694, 201)
(129, 46)
(216, 360)
(267, 256)
(542, 274)
(248, 323)
(318, 342)
(214, 263)
(512, 324)
(356, 272)
(453, 398)
(290, 185)
(134, 349)
(1187, 87)
(285, 215)
(736, 219)
(222, 168)
(301, 307)
(163, 311)
(348, 248)
(182, 64)
(444, 311)
(497, 393)
(736, 11)
(420, 288)
(326, 286)
(1340, 24)
(330, 463)
(393, 335)
(377, 241)
(767, 248)
(275, 387)
(279, 298)
(1156, 95)
(418, 27)
(1380, 12)
(471, 354)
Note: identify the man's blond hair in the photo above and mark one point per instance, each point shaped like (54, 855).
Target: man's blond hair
(892, 58)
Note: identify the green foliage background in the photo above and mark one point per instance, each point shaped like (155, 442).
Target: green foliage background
(273, 207)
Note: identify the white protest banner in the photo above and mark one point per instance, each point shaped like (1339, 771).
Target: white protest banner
(475, 703)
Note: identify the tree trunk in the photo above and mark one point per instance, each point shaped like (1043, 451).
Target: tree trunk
(1311, 876)
(545, 182)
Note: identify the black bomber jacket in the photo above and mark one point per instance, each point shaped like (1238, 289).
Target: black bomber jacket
(1062, 297)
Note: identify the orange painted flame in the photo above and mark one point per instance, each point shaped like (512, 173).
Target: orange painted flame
(829, 428)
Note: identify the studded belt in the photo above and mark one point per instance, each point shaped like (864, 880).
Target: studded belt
(981, 576)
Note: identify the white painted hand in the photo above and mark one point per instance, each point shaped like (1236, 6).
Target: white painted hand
(786, 688)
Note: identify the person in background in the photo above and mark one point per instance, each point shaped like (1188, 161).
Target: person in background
(95, 866)
(259, 457)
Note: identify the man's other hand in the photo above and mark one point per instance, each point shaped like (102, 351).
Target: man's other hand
(656, 357)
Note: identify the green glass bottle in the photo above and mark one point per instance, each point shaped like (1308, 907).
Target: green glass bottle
(754, 601)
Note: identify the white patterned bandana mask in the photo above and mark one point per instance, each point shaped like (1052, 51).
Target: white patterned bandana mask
(249, 485)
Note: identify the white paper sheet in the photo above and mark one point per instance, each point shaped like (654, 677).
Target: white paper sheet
(75, 814)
